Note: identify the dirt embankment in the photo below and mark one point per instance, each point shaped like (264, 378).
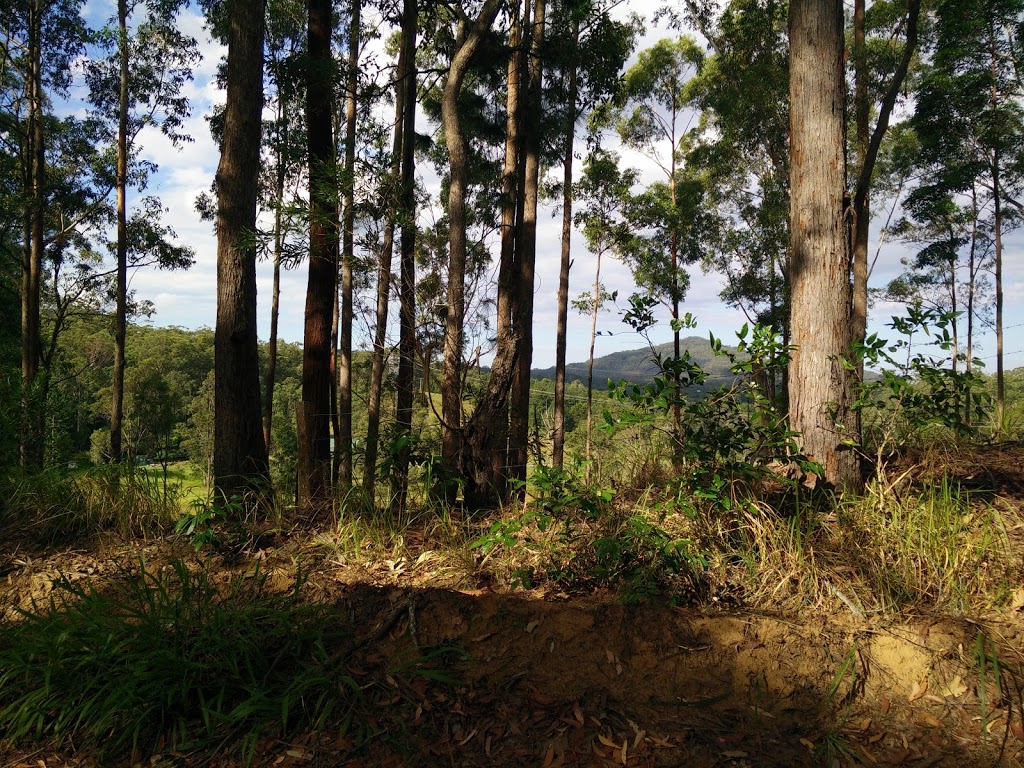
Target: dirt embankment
(557, 682)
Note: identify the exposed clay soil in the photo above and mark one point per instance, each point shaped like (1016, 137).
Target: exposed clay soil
(544, 681)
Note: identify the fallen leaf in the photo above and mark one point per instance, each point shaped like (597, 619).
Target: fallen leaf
(625, 746)
(808, 743)
(734, 753)
(931, 720)
(549, 756)
(577, 712)
(955, 688)
(919, 691)
(481, 638)
(532, 626)
(886, 705)
(870, 757)
(1017, 599)
(1017, 729)
(607, 741)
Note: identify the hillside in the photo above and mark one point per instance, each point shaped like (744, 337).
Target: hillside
(637, 365)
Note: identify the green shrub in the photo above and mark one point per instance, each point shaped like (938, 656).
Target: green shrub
(579, 539)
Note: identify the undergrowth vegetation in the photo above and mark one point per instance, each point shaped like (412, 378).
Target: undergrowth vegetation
(54, 507)
(171, 659)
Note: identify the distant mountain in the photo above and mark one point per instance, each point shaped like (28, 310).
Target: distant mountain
(637, 365)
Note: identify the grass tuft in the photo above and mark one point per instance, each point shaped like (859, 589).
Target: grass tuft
(168, 659)
(52, 507)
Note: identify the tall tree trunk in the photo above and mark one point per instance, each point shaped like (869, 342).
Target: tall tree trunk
(510, 187)
(275, 300)
(526, 247)
(561, 334)
(596, 298)
(468, 41)
(240, 453)
(390, 208)
(997, 225)
(867, 156)
(971, 277)
(314, 460)
(121, 294)
(407, 288)
(819, 400)
(677, 352)
(862, 210)
(998, 235)
(33, 405)
(344, 438)
(335, 353)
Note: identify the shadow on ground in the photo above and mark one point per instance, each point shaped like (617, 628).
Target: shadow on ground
(598, 683)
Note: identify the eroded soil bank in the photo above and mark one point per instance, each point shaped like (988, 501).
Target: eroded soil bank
(528, 679)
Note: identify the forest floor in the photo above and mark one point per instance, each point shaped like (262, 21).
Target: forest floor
(538, 678)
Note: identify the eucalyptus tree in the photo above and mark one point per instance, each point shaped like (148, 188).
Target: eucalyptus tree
(819, 388)
(970, 121)
(946, 272)
(603, 190)
(397, 203)
(40, 41)
(314, 417)
(581, 33)
(138, 86)
(285, 38)
(343, 433)
(470, 34)
(653, 119)
(240, 452)
(874, 58)
(741, 149)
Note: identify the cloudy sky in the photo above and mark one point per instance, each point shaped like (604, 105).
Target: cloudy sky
(188, 298)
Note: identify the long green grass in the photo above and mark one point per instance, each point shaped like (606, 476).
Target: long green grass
(164, 659)
(53, 507)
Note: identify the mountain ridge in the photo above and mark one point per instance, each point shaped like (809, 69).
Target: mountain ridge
(637, 366)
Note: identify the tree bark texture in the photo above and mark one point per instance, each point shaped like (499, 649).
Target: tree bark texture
(32, 406)
(819, 399)
(314, 459)
(240, 453)
(561, 334)
(510, 175)
(407, 289)
(275, 300)
(469, 41)
(121, 292)
(344, 436)
(390, 209)
(522, 318)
